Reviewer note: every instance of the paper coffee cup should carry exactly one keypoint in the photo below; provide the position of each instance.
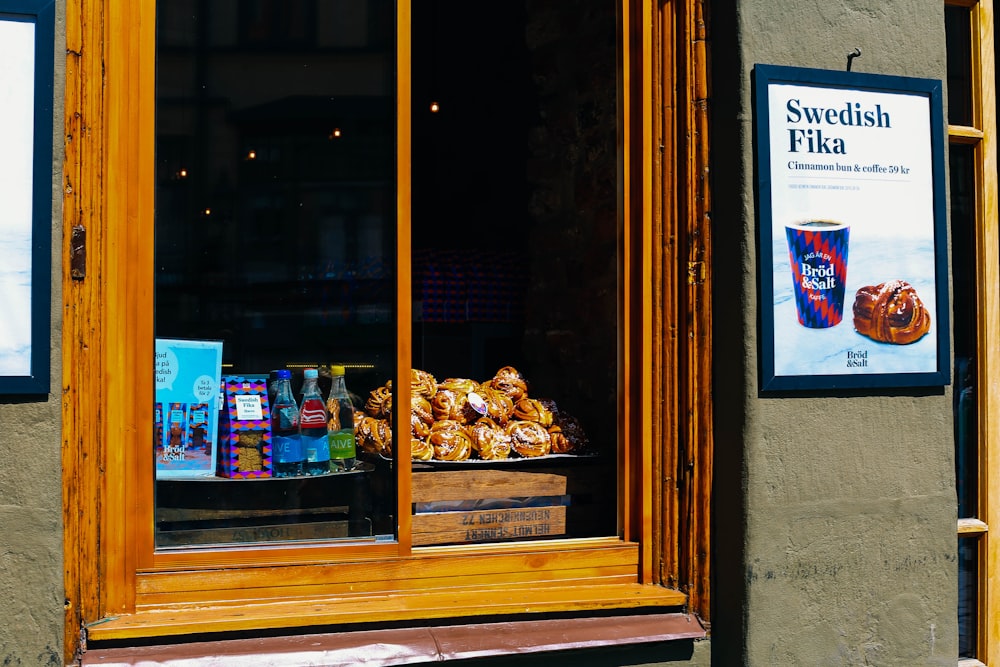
(817, 252)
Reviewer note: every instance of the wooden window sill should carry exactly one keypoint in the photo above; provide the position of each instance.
(301, 612)
(409, 645)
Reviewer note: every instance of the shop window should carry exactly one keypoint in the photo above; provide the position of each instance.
(442, 190)
(276, 237)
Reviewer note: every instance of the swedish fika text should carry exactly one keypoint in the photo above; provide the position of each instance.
(811, 128)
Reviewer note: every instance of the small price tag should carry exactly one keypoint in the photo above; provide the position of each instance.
(477, 402)
(248, 408)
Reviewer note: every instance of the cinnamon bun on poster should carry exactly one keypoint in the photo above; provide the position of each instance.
(891, 312)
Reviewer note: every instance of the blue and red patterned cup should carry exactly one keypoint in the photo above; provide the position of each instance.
(817, 252)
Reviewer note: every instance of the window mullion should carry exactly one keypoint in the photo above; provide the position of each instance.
(404, 318)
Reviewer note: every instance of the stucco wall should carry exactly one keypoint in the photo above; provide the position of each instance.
(31, 550)
(839, 509)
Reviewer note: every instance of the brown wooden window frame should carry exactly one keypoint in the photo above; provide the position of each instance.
(980, 135)
(118, 587)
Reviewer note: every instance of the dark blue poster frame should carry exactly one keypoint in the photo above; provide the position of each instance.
(35, 379)
(870, 149)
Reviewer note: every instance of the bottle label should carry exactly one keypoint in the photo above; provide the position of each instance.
(249, 408)
(287, 416)
(342, 444)
(313, 414)
(287, 449)
(316, 448)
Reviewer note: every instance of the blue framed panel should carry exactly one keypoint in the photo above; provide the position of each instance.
(27, 34)
(851, 230)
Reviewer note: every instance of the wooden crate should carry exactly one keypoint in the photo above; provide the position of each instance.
(508, 518)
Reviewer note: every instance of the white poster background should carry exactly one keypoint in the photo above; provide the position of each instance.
(17, 103)
(879, 181)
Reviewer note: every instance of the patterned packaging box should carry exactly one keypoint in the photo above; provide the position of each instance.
(245, 433)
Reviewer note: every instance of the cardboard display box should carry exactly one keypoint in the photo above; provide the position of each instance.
(245, 429)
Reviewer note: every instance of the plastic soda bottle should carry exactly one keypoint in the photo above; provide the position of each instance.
(285, 441)
(312, 426)
(341, 423)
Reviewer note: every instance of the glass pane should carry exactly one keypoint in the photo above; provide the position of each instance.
(968, 596)
(963, 239)
(958, 35)
(275, 236)
(516, 267)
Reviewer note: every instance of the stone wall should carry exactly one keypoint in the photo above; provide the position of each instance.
(835, 514)
(31, 548)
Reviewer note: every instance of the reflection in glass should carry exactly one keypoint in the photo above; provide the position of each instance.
(515, 258)
(964, 277)
(275, 234)
(968, 596)
(958, 36)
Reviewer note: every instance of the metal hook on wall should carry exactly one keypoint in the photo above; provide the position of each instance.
(851, 56)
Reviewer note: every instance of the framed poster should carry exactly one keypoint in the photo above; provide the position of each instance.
(852, 230)
(26, 51)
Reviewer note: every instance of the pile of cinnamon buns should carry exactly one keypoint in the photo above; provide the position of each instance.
(459, 419)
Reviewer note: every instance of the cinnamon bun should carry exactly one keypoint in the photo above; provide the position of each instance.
(529, 438)
(499, 407)
(448, 404)
(421, 450)
(530, 409)
(422, 383)
(560, 443)
(379, 403)
(421, 407)
(450, 444)
(510, 381)
(891, 312)
(458, 385)
(489, 440)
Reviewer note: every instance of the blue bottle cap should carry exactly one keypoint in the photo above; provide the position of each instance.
(311, 373)
(284, 374)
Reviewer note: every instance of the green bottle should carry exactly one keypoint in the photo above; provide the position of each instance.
(340, 423)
